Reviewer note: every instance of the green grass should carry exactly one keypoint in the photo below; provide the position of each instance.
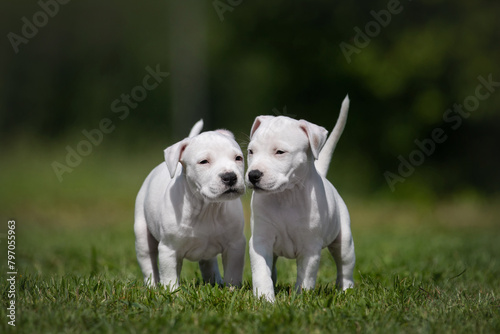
(420, 268)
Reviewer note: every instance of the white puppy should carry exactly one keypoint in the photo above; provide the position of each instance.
(189, 208)
(296, 211)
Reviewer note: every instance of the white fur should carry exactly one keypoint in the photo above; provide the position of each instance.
(296, 211)
(189, 208)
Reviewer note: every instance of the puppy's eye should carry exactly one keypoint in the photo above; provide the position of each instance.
(203, 162)
(239, 158)
(280, 152)
(250, 152)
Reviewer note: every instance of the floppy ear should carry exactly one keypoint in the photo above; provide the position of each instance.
(225, 132)
(317, 136)
(173, 155)
(258, 121)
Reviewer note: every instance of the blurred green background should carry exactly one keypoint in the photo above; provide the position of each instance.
(66, 67)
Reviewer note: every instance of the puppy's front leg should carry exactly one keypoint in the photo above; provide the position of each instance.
(233, 260)
(307, 271)
(210, 271)
(169, 266)
(261, 259)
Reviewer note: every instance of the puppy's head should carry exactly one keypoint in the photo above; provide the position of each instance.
(213, 165)
(281, 151)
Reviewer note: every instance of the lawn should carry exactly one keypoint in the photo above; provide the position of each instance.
(421, 268)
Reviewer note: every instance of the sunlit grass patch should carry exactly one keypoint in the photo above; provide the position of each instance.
(420, 267)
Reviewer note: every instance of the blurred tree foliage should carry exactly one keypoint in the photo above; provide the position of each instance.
(268, 58)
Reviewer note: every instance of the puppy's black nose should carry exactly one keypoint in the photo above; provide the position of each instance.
(229, 178)
(254, 176)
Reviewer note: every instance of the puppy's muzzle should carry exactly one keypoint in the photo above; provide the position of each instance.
(254, 176)
(229, 178)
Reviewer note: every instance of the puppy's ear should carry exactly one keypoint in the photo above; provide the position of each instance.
(225, 132)
(173, 155)
(258, 121)
(317, 136)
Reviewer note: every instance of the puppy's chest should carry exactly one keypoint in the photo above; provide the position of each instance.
(199, 241)
(201, 249)
(292, 236)
(295, 228)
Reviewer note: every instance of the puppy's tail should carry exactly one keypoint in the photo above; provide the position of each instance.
(325, 155)
(196, 129)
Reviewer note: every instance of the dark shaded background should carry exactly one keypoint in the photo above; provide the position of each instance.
(279, 57)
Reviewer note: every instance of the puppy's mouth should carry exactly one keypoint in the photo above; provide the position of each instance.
(227, 194)
(257, 188)
(232, 190)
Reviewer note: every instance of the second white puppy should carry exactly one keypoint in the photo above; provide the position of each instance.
(188, 208)
(296, 211)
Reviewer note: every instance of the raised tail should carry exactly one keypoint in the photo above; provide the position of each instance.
(196, 129)
(325, 155)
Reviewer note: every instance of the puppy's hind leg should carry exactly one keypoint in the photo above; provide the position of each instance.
(210, 271)
(146, 247)
(342, 250)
